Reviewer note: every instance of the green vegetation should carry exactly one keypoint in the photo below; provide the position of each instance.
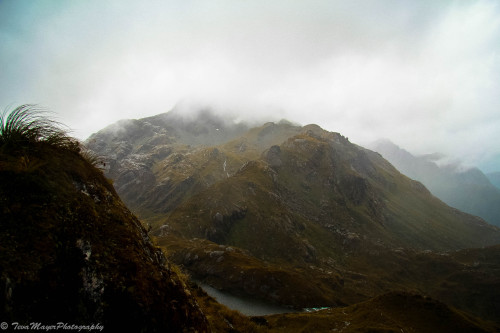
(27, 125)
(70, 251)
(29, 130)
(215, 264)
(311, 218)
(391, 312)
(297, 224)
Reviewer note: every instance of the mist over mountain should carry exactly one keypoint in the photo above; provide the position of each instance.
(363, 69)
(262, 211)
(467, 189)
(494, 178)
(260, 182)
(73, 254)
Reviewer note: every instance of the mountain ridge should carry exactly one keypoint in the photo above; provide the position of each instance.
(494, 178)
(469, 189)
(293, 202)
(72, 252)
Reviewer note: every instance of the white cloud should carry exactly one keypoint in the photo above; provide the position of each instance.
(425, 74)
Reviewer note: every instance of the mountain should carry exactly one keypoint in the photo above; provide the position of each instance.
(73, 255)
(466, 189)
(494, 178)
(70, 250)
(295, 215)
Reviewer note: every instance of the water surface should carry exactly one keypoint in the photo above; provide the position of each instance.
(247, 306)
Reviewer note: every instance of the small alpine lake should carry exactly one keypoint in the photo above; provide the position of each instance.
(245, 305)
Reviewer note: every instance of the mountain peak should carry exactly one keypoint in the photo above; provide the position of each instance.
(294, 204)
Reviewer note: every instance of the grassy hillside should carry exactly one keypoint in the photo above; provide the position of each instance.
(391, 312)
(310, 218)
(70, 251)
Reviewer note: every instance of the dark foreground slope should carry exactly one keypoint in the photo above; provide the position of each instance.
(71, 252)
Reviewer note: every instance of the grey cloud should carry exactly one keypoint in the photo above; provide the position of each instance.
(423, 73)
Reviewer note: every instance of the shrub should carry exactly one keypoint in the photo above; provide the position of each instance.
(27, 125)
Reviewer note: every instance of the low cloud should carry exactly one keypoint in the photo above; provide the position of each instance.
(424, 74)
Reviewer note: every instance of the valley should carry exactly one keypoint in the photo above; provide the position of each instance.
(295, 215)
(264, 166)
(278, 218)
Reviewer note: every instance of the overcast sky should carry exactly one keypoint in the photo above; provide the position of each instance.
(425, 74)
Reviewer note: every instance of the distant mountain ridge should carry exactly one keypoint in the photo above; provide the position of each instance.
(265, 210)
(71, 252)
(494, 178)
(469, 190)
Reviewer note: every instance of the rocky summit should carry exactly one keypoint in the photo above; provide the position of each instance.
(295, 215)
(291, 215)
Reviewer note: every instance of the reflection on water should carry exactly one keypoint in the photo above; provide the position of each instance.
(248, 307)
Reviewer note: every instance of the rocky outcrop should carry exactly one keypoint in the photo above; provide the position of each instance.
(71, 252)
(272, 156)
(299, 201)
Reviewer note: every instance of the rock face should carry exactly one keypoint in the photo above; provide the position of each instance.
(133, 147)
(70, 251)
(306, 211)
(298, 177)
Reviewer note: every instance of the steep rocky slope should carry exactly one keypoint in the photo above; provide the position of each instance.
(70, 251)
(280, 209)
(132, 149)
(466, 189)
